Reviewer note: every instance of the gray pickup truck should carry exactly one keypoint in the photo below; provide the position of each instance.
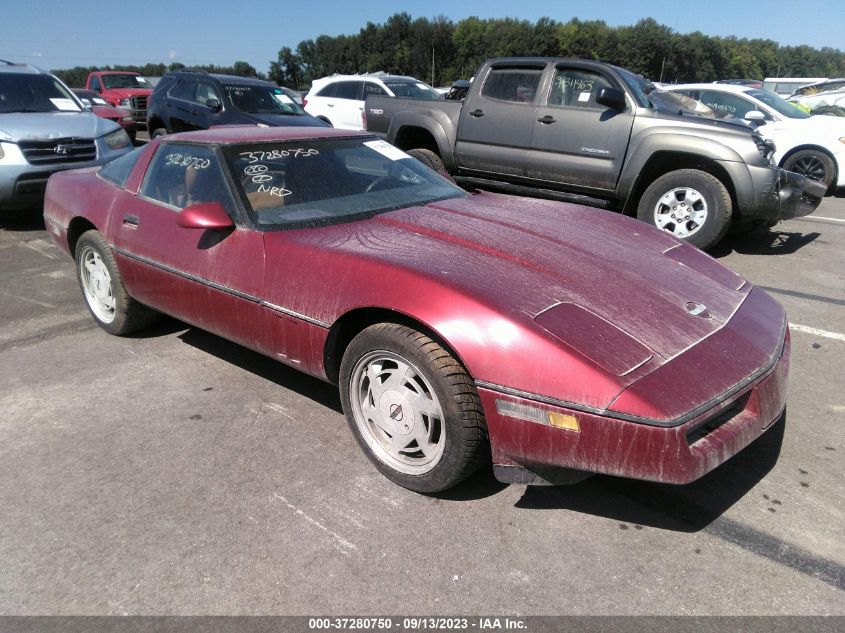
(595, 133)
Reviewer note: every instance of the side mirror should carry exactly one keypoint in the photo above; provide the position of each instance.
(205, 215)
(613, 98)
(755, 116)
(214, 104)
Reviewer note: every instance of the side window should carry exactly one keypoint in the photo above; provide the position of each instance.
(328, 91)
(373, 89)
(118, 170)
(95, 84)
(205, 92)
(182, 175)
(512, 84)
(349, 90)
(726, 103)
(576, 87)
(184, 89)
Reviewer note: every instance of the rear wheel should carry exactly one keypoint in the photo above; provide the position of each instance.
(428, 158)
(412, 407)
(103, 290)
(690, 204)
(814, 164)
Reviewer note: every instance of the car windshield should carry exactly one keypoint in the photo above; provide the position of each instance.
(413, 89)
(322, 181)
(125, 81)
(776, 102)
(261, 99)
(34, 93)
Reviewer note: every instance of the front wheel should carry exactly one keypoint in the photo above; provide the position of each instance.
(814, 164)
(690, 204)
(413, 408)
(102, 288)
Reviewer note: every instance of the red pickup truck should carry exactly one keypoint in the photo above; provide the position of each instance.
(123, 89)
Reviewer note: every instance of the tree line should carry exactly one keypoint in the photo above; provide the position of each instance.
(439, 51)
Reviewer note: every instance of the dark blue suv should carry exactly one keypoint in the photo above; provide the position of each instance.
(193, 100)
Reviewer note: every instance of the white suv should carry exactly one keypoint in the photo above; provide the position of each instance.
(339, 100)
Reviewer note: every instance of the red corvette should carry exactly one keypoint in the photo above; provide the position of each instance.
(554, 338)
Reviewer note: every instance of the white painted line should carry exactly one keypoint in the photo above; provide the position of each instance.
(821, 217)
(811, 330)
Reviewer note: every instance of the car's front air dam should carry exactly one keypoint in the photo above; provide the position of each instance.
(595, 443)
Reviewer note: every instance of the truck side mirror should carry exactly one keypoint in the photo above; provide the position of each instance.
(612, 98)
(214, 104)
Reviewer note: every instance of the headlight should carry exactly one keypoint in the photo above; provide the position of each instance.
(126, 102)
(117, 139)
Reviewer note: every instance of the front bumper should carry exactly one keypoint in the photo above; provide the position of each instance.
(778, 195)
(533, 452)
(22, 184)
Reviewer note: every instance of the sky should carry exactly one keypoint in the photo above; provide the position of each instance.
(57, 34)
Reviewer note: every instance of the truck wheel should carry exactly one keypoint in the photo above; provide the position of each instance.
(814, 164)
(428, 158)
(690, 204)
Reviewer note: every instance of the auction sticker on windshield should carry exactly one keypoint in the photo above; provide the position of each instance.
(386, 149)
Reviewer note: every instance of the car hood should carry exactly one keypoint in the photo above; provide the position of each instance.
(283, 120)
(49, 125)
(552, 263)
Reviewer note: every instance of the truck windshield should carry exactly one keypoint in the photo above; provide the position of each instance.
(639, 86)
(34, 93)
(125, 81)
(325, 181)
(678, 103)
(261, 99)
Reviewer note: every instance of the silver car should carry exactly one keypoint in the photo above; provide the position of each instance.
(44, 128)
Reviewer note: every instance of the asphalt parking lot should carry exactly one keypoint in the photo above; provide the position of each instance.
(176, 473)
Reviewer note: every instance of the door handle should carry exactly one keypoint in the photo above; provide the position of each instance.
(131, 220)
(546, 120)
(477, 113)
(331, 105)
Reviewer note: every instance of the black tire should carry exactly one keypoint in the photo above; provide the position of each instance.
(99, 278)
(812, 163)
(714, 203)
(458, 438)
(159, 131)
(428, 158)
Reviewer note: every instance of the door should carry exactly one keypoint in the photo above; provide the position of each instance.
(494, 134)
(178, 105)
(576, 141)
(203, 115)
(210, 278)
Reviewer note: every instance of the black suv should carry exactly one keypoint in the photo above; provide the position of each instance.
(193, 100)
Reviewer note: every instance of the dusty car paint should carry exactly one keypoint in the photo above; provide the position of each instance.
(499, 280)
